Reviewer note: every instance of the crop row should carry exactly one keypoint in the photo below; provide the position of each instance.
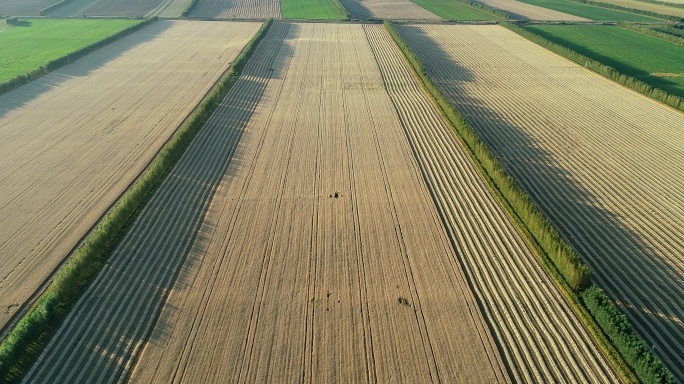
(23, 345)
(565, 265)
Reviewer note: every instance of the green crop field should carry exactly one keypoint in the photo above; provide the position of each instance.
(589, 11)
(453, 10)
(35, 42)
(655, 62)
(309, 9)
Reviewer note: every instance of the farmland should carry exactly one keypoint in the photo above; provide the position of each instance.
(39, 41)
(387, 9)
(161, 8)
(589, 11)
(453, 10)
(233, 9)
(629, 52)
(624, 213)
(24, 7)
(519, 10)
(650, 7)
(307, 9)
(87, 130)
(352, 276)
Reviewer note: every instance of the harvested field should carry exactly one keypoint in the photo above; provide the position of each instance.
(73, 140)
(523, 11)
(657, 8)
(24, 7)
(590, 11)
(387, 9)
(328, 266)
(235, 9)
(161, 8)
(604, 163)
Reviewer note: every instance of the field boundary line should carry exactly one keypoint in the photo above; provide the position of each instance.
(52, 302)
(483, 159)
(70, 57)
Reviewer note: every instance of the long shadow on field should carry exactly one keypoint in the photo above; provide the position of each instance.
(19, 97)
(613, 252)
(215, 8)
(102, 336)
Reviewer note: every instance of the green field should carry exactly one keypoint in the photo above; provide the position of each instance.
(655, 62)
(589, 11)
(309, 9)
(38, 41)
(453, 10)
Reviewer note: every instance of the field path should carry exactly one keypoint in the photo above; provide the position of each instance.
(322, 257)
(604, 163)
(73, 141)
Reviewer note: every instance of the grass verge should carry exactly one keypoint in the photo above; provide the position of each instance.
(639, 85)
(33, 57)
(570, 274)
(189, 8)
(32, 333)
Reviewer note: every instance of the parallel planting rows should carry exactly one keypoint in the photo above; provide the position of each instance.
(118, 8)
(87, 130)
(547, 119)
(591, 12)
(329, 266)
(519, 10)
(336, 265)
(236, 9)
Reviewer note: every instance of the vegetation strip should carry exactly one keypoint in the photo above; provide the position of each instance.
(69, 57)
(611, 329)
(189, 8)
(28, 338)
(600, 68)
(655, 32)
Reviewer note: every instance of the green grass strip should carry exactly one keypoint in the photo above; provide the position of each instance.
(23, 345)
(600, 68)
(537, 231)
(655, 32)
(630, 10)
(312, 9)
(455, 10)
(57, 42)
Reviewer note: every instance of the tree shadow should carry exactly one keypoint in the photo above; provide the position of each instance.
(636, 276)
(357, 10)
(19, 97)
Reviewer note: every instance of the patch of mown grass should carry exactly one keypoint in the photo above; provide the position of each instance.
(644, 63)
(35, 46)
(32, 333)
(589, 11)
(313, 9)
(453, 10)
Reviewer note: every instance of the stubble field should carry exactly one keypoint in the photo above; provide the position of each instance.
(72, 141)
(550, 121)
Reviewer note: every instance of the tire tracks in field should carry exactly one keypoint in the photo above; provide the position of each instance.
(106, 328)
(537, 331)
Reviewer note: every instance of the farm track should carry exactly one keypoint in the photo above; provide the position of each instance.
(87, 131)
(387, 9)
(237, 9)
(312, 238)
(542, 339)
(604, 163)
(111, 321)
(523, 11)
